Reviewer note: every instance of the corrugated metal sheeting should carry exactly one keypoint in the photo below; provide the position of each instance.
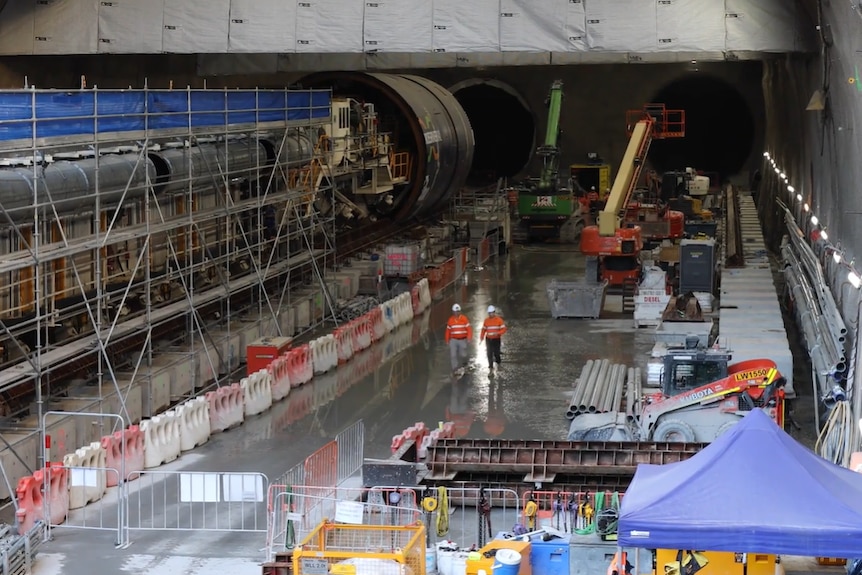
(750, 318)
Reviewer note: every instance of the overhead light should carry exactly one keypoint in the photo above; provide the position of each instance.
(777, 171)
(791, 189)
(824, 236)
(806, 207)
(854, 279)
(765, 154)
(836, 257)
(783, 176)
(798, 197)
(814, 220)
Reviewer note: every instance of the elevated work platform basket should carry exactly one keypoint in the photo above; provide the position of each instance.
(361, 549)
(579, 299)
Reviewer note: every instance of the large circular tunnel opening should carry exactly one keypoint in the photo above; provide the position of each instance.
(503, 127)
(719, 127)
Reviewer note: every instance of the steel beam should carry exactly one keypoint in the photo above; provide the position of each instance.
(543, 461)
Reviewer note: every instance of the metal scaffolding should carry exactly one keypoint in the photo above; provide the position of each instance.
(141, 229)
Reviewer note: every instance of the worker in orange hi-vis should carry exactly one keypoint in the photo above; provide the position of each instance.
(459, 332)
(492, 331)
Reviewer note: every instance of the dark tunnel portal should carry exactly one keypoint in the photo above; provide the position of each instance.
(719, 127)
(503, 128)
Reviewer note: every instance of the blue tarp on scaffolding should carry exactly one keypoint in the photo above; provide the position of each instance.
(755, 489)
(88, 112)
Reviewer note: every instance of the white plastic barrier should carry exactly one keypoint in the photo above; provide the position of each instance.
(324, 353)
(226, 407)
(424, 293)
(89, 478)
(257, 392)
(279, 378)
(162, 439)
(405, 308)
(194, 416)
(387, 308)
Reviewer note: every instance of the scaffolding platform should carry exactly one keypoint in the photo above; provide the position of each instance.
(43, 117)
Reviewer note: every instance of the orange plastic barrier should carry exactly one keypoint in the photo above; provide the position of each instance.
(113, 444)
(31, 496)
(299, 366)
(226, 407)
(280, 377)
(344, 341)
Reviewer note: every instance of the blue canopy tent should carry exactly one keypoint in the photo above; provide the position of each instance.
(755, 490)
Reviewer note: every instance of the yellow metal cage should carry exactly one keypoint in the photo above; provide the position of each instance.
(329, 547)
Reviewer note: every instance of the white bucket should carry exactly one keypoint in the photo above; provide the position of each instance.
(444, 562)
(459, 563)
(431, 561)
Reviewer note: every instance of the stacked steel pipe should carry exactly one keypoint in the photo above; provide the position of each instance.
(816, 311)
(601, 387)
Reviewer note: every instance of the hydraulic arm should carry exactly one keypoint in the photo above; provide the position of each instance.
(550, 150)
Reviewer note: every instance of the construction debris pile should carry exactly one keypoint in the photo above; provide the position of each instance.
(601, 388)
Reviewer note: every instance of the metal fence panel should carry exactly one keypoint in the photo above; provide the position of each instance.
(104, 512)
(198, 501)
(351, 451)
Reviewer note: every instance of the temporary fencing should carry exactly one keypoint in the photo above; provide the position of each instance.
(351, 452)
(198, 501)
(92, 506)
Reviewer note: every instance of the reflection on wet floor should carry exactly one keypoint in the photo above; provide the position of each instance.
(406, 378)
(397, 382)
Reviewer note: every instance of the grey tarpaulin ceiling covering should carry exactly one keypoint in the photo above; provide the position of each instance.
(399, 26)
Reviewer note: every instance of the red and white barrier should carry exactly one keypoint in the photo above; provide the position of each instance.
(31, 495)
(194, 417)
(300, 366)
(162, 439)
(257, 392)
(344, 340)
(279, 377)
(363, 335)
(128, 443)
(378, 328)
(226, 407)
(324, 353)
(88, 477)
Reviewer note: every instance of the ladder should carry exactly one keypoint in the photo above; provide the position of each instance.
(630, 289)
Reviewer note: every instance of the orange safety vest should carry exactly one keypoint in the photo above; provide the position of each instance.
(458, 327)
(493, 328)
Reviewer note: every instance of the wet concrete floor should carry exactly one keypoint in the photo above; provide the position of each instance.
(527, 398)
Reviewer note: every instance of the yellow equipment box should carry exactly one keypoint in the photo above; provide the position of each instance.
(522, 547)
(722, 562)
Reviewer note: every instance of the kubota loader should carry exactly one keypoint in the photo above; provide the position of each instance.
(702, 395)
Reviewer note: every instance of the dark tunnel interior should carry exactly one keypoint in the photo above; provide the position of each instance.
(503, 128)
(719, 127)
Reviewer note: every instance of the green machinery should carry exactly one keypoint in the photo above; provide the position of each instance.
(546, 209)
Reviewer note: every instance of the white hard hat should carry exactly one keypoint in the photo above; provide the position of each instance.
(456, 308)
(491, 309)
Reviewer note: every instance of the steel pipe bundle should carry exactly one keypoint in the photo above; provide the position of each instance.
(816, 311)
(601, 388)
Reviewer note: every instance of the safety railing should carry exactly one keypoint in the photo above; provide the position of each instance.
(351, 452)
(17, 552)
(197, 501)
(399, 165)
